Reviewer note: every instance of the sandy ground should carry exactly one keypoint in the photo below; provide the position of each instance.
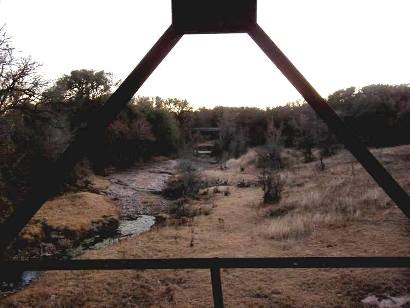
(236, 227)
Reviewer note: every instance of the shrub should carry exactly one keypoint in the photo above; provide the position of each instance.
(270, 157)
(186, 184)
(272, 184)
(179, 209)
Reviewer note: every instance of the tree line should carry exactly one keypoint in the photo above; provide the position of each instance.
(379, 114)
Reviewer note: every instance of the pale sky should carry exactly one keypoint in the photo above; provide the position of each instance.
(335, 44)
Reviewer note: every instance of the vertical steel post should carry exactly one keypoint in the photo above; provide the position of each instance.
(217, 287)
(329, 116)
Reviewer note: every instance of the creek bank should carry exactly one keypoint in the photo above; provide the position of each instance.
(120, 204)
(62, 228)
(65, 222)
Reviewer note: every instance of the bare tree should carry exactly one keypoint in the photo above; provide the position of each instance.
(20, 83)
(270, 156)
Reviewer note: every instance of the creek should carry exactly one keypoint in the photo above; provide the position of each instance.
(137, 193)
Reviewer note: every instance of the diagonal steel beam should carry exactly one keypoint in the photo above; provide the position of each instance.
(329, 116)
(47, 183)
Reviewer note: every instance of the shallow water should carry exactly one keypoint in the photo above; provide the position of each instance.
(138, 226)
(28, 277)
(126, 229)
(18, 280)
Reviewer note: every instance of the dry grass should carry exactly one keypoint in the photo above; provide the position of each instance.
(246, 161)
(75, 214)
(290, 227)
(98, 183)
(355, 219)
(332, 198)
(316, 209)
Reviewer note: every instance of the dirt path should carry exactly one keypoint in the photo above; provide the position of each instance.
(233, 228)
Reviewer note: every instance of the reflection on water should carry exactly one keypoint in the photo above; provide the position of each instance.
(28, 277)
(127, 228)
(14, 281)
(141, 224)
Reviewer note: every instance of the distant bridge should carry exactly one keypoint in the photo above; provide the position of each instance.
(206, 148)
(207, 132)
(206, 129)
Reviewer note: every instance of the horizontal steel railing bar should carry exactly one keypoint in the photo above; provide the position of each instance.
(207, 263)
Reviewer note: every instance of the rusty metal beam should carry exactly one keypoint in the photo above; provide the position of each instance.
(220, 19)
(213, 16)
(11, 268)
(206, 263)
(334, 122)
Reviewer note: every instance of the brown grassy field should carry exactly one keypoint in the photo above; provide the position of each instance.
(76, 214)
(337, 212)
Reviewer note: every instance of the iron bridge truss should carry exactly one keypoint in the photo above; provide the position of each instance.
(199, 17)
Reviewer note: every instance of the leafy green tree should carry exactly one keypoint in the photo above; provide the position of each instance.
(81, 86)
(183, 113)
(79, 94)
(177, 107)
(165, 130)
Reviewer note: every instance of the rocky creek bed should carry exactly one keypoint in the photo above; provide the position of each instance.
(137, 190)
